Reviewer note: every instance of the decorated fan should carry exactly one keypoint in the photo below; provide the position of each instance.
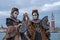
(44, 22)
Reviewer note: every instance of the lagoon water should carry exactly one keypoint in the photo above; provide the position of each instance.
(2, 36)
(54, 36)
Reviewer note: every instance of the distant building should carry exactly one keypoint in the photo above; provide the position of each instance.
(57, 29)
(52, 22)
(2, 29)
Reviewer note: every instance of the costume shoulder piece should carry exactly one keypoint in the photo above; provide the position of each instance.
(23, 27)
(9, 21)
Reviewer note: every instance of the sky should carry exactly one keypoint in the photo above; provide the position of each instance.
(45, 8)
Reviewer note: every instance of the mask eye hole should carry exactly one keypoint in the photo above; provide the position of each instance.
(34, 14)
(16, 12)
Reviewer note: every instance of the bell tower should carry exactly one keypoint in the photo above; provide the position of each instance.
(52, 22)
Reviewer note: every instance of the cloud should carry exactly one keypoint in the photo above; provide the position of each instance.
(21, 3)
(53, 6)
(45, 7)
(4, 13)
(42, 2)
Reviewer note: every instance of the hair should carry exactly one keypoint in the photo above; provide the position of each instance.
(14, 9)
(35, 11)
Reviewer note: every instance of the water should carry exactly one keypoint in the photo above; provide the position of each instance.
(2, 36)
(54, 36)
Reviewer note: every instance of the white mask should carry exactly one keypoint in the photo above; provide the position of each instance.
(15, 15)
(35, 17)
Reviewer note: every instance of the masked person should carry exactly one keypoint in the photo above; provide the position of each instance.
(12, 30)
(40, 32)
(37, 23)
(24, 27)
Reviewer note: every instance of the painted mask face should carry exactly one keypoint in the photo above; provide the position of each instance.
(35, 16)
(15, 14)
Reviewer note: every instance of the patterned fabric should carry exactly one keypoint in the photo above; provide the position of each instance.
(38, 36)
(11, 31)
(23, 27)
(45, 26)
(23, 30)
(23, 36)
(37, 24)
